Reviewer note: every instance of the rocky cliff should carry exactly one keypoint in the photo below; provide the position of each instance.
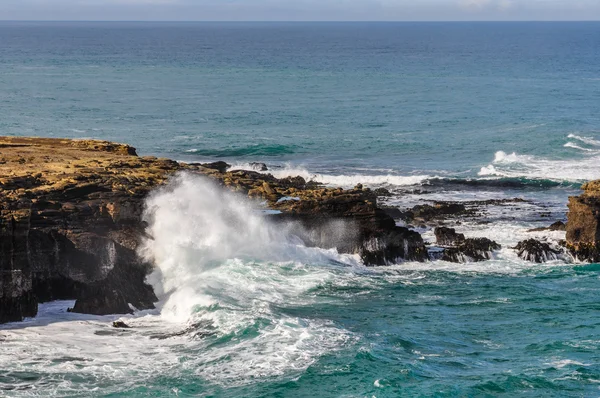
(583, 225)
(70, 221)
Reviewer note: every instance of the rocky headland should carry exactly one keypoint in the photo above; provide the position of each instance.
(71, 222)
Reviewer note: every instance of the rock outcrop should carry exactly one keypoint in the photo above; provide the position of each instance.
(448, 237)
(70, 221)
(583, 224)
(536, 251)
(470, 249)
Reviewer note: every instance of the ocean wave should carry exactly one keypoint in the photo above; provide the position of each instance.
(343, 180)
(221, 265)
(250, 150)
(587, 140)
(537, 168)
(499, 182)
(575, 146)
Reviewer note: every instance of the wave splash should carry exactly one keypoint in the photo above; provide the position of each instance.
(223, 270)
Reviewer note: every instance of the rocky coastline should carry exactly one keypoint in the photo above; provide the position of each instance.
(71, 222)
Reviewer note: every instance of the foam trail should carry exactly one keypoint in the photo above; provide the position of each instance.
(575, 146)
(587, 140)
(344, 180)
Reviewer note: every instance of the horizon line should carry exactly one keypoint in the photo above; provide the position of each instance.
(302, 21)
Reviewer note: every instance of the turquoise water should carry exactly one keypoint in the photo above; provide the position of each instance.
(461, 111)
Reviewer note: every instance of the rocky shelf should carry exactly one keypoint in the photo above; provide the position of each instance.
(70, 221)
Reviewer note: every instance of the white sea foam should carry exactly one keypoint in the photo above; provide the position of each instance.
(575, 146)
(222, 265)
(526, 166)
(342, 180)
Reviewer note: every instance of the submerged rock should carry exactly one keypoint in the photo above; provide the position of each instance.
(471, 249)
(120, 325)
(535, 251)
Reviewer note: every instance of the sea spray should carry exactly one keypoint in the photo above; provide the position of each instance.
(222, 271)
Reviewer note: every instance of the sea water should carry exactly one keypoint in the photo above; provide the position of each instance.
(430, 111)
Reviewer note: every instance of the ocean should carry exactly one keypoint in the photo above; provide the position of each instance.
(430, 111)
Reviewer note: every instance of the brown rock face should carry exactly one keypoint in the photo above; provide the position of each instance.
(70, 222)
(583, 225)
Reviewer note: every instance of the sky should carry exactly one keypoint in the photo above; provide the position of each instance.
(299, 10)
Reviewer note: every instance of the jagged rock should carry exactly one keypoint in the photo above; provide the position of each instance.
(448, 236)
(535, 251)
(259, 166)
(220, 166)
(351, 222)
(471, 249)
(583, 224)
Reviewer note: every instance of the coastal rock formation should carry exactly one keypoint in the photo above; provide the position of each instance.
(70, 221)
(448, 236)
(458, 249)
(471, 249)
(69, 216)
(535, 251)
(583, 225)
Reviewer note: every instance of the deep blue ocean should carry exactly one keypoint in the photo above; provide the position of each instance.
(431, 111)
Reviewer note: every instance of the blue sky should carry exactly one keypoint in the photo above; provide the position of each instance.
(303, 10)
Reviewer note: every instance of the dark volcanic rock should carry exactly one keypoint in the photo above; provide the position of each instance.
(535, 251)
(471, 249)
(351, 222)
(220, 166)
(448, 236)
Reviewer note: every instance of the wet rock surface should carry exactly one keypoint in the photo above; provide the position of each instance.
(448, 237)
(471, 249)
(536, 251)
